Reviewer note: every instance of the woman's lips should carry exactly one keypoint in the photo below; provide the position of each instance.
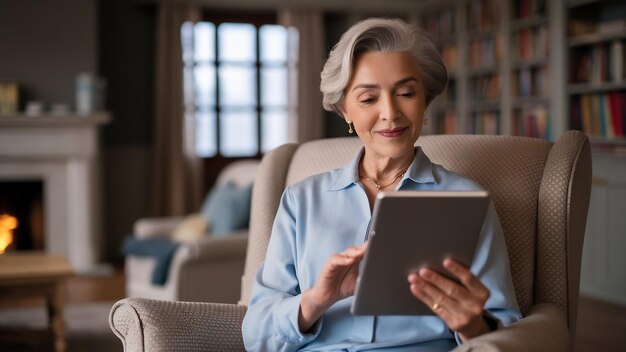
(394, 132)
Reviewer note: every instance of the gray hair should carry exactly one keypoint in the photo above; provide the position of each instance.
(381, 35)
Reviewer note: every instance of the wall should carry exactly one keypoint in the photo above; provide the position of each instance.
(44, 44)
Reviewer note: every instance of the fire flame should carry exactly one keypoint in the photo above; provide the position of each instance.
(8, 223)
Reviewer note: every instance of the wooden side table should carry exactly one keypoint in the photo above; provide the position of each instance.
(38, 274)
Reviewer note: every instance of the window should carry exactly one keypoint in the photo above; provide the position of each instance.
(235, 87)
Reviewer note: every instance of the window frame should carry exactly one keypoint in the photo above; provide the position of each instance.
(257, 19)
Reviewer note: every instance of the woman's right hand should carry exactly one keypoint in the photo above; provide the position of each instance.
(336, 282)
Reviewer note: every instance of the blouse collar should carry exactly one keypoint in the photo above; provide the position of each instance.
(420, 171)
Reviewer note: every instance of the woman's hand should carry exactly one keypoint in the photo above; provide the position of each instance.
(459, 305)
(336, 282)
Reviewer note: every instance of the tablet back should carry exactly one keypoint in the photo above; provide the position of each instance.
(411, 230)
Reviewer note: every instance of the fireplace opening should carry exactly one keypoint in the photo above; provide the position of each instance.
(21, 215)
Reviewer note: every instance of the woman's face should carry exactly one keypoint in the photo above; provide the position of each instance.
(386, 101)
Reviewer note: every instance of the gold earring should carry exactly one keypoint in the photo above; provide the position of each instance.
(350, 130)
(426, 122)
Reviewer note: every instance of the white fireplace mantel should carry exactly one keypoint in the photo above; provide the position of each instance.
(63, 153)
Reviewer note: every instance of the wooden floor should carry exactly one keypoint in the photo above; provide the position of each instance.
(601, 326)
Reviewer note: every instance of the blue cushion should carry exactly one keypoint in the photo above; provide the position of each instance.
(227, 208)
(160, 249)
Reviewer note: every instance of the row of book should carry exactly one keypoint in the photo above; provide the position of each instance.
(441, 24)
(484, 122)
(486, 51)
(528, 8)
(450, 56)
(446, 122)
(599, 63)
(600, 114)
(449, 94)
(531, 82)
(579, 27)
(483, 14)
(485, 88)
(530, 44)
(531, 121)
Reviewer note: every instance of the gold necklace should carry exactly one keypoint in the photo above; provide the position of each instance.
(378, 185)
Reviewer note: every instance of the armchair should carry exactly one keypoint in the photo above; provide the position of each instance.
(540, 190)
(206, 269)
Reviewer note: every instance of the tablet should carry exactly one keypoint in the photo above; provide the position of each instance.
(411, 230)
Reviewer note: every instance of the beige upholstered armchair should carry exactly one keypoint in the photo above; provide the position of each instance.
(541, 192)
(205, 269)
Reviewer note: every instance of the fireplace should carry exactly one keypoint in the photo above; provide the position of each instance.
(56, 160)
(21, 215)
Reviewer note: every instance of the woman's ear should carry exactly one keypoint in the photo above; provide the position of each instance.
(340, 107)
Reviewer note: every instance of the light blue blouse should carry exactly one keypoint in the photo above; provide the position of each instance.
(327, 213)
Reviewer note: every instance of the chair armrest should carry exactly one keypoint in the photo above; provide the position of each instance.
(543, 329)
(156, 227)
(213, 248)
(152, 325)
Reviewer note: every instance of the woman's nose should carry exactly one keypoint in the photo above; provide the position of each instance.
(389, 110)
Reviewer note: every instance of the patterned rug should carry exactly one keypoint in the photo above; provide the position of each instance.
(87, 328)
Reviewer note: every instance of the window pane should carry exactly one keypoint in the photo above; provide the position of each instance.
(238, 132)
(237, 85)
(206, 137)
(273, 129)
(205, 85)
(237, 42)
(273, 40)
(205, 41)
(186, 38)
(188, 90)
(274, 86)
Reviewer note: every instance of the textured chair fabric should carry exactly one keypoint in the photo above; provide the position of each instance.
(541, 193)
(207, 269)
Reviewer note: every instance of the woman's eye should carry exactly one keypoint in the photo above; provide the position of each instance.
(407, 94)
(367, 101)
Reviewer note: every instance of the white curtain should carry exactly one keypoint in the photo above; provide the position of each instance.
(306, 58)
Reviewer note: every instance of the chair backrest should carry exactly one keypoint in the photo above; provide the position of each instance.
(240, 172)
(540, 189)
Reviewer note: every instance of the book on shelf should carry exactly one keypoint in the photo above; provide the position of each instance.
(600, 115)
(530, 44)
(531, 121)
(486, 87)
(485, 122)
(579, 27)
(447, 122)
(528, 8)
(617, 61)
(599, 63)
(483, 14)
(441, 24)
(450, 55)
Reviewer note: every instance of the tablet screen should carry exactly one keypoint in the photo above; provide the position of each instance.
(411, 230)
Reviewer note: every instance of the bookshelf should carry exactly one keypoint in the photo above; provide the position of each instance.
(500, 59)
(596, 82)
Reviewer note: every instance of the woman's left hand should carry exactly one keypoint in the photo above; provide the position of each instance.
(459, 305)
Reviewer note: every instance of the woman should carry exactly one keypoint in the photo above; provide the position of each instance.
(380, 78)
